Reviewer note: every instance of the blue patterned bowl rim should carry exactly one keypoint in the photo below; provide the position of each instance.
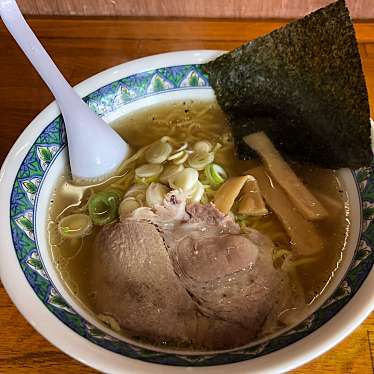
(44, 151)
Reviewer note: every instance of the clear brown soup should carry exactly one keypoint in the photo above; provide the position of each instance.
(197, 120)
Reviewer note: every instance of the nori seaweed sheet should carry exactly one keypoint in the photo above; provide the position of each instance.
(303, 85)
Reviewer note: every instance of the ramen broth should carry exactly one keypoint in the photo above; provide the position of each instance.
(191, 121)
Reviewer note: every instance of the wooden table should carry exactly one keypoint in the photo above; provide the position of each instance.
(82, 47)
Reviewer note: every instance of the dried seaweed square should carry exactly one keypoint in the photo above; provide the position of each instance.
(303, 85)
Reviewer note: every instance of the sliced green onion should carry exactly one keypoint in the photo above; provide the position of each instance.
(196, 193)
(103, 207)
(215, 174)
(158, 152)
(128, 205)
(169, 172)
(203, 146)
(148, 170)
(184, 180)
(135, 189)
(181, 160)
(75, 226)
(182, 147)
(199, 160)
(176, 155)
(155, 194)
(140, 198)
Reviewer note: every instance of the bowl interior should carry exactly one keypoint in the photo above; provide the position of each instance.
(45, 162)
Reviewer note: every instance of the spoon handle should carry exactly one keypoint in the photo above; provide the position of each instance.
(26, 39)
(95, 149)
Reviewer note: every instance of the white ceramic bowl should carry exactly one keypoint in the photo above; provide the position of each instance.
(28, 177)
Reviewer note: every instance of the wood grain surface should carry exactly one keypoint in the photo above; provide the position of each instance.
(360, 9)
(82, 47)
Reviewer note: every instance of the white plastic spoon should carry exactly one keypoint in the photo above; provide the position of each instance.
(95, 149)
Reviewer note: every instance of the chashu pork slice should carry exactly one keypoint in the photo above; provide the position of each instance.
(182, 274)
(135, 283)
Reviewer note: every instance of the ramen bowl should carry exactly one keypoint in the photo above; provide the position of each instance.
(29, 176)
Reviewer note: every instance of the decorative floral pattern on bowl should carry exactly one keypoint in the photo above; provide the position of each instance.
(44, 151)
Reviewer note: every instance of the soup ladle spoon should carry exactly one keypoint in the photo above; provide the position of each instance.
(95, 149)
